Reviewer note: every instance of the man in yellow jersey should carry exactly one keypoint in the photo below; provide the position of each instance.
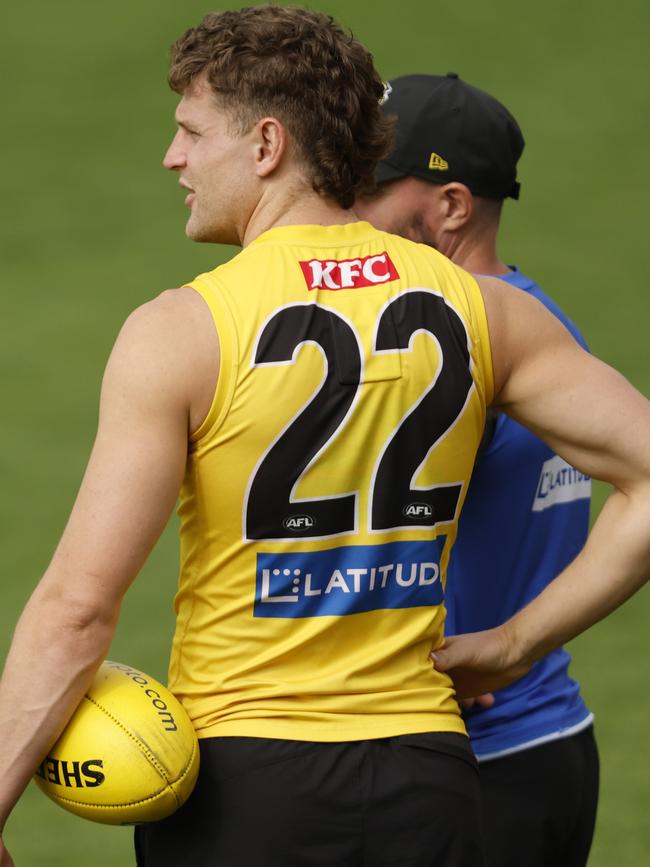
(318, 402)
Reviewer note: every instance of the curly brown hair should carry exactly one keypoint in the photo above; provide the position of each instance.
(309, 72)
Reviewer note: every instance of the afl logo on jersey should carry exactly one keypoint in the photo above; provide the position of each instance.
(417, 510)
(298, 523)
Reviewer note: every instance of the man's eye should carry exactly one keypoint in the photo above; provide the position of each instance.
(192, 133)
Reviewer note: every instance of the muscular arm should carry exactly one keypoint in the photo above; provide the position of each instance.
(157, 387)
(600, 424)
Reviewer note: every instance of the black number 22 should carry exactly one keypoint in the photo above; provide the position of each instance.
(270, 511)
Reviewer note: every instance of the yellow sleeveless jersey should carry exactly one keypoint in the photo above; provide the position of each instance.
(323, 490)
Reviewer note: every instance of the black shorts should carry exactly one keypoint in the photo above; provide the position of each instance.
(539, 805)
(407, 801)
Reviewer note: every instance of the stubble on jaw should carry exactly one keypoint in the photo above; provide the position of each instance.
(415, 228)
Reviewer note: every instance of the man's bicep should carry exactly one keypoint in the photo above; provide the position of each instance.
(135, 468)
(593, 418)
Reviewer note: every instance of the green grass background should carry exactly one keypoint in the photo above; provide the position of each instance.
(92, 226)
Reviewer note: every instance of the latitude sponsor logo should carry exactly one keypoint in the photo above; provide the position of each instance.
(340, 274)
(559, 482)
(349, 580)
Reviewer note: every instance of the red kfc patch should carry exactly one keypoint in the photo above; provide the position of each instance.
(349, 273)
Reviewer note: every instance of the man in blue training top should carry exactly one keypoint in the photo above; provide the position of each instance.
(527, 511)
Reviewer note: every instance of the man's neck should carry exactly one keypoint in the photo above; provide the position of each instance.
(476, 253)
(482, 262)
(293, 208)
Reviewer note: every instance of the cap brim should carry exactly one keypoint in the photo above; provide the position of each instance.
(385, 172)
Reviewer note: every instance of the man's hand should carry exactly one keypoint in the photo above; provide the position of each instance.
(5, 858)
(478, 663)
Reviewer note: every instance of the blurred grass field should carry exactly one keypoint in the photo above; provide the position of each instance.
(92, 227)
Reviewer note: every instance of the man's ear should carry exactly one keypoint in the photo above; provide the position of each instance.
(270, 142)
(457, 205)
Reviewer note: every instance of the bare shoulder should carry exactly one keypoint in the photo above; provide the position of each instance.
(521, 330)
(177, 312)
(169, 347)
(507, 305)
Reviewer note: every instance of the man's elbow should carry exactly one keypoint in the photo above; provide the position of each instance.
(69, 622)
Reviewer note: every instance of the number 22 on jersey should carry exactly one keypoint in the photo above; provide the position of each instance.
(271, 510)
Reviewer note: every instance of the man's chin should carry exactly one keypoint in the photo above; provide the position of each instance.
(209, 235)
(200, 234)
(197, 236)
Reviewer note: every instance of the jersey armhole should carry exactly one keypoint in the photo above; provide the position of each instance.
(482, 349)
(228, 355)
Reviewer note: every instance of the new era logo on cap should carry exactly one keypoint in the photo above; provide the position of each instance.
(437, 163)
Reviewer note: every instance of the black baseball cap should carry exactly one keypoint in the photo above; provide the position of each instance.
(447, 131)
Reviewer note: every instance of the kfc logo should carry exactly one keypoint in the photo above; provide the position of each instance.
(348, 273)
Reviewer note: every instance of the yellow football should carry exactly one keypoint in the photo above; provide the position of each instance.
(129, 753)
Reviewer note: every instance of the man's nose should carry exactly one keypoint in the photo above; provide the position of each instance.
(175, 156)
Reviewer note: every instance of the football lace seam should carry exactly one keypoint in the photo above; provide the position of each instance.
(154, 761)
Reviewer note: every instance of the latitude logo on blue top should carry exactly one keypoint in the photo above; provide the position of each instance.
(349, 580)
